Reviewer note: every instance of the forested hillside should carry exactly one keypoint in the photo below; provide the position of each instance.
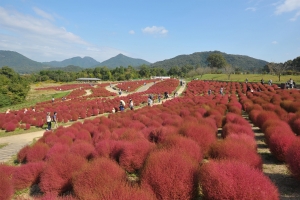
(199, 59)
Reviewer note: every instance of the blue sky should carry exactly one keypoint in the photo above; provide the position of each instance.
(154, 30)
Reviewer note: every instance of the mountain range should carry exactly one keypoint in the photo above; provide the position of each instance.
(22, 64)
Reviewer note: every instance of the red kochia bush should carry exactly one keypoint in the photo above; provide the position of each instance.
(21, 156)
(170, 175)
(84, 149)
(98, 179)
(57, 149)
(37, 152)
(204, 135)
(56, 177)
(184, 145)
(264, 116)
(279, 144)
(28, 174)
(10, 127)
(231, 150)
(235, 180)
(133, 154)
(159, 134)
(293, 158)
(6, 186)
(232, 128)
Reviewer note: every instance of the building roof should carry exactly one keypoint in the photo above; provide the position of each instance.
(88, 79)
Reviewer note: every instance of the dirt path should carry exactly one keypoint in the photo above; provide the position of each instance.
(289, 187)
(140, 89)
(88, 92)
(16, 142)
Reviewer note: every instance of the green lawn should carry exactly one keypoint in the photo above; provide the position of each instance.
(251, 77)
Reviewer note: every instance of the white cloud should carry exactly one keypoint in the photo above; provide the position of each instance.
(25, 24)
(43, 14)
(41, 40)
(131, 32)
(274, 42)
(251, 9)
(155, 30)
(295, 17)
(289, 6)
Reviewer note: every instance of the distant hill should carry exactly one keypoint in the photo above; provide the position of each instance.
(19, 63)
(85, 62)
(121, 60)
(243, 62)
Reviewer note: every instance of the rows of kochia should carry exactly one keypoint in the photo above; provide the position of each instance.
(77, 106)
(169, 151)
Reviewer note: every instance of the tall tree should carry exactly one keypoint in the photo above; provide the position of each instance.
(228, 70)
(216, 60)
(278, 68)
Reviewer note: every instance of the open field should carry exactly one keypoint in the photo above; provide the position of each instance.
(251, 77)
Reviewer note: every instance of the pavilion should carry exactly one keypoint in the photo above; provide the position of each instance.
(87, 80)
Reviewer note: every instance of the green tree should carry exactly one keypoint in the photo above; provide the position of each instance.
(144, 71)
(216, 60)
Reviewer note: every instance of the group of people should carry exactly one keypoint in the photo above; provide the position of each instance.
(50, 119)
(122, 106)
(290, 83)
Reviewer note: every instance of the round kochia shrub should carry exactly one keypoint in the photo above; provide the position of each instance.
(133, 154)
(21, 156)
(37, 152)
(57, 175)
(293, 158)
(184, 145)
(235, 180)
(28, 174)
(232, 150)
(231, 128)
(170, 175)
(98, 179)
(204, 135)
(279, 144)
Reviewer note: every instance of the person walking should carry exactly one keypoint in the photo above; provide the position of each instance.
(270, 82)
(221, 91)
(159, 97)
(130, 104)
(48, 119)
(122, 105)
(150, 102)
(54, 118)
(291, 83)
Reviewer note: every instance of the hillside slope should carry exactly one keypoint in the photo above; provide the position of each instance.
(199, 58)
